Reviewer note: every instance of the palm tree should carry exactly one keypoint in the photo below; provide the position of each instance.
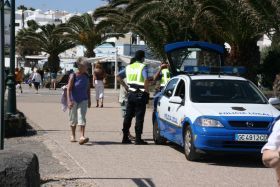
(47, 40)
(25, 47)
(82, 31)
(269, 14)
(237, 23)
(23, 9)
(149, 19)
(163, 21)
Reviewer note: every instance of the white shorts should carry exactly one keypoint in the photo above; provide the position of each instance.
(99, 89)
(77, 114)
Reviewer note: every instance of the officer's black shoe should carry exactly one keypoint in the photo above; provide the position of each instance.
(126, 140)
(140, 142)
(131, 137)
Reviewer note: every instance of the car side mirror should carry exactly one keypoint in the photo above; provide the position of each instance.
(176, 100)
(274, 101)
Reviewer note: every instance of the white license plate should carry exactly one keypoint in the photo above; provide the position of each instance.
(251, 137)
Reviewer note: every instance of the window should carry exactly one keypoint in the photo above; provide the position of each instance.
(168, 91)
(184, 57)
(225, 91)
(181, 89)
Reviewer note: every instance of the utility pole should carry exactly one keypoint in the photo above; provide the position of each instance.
(2, 66)
(12, 109)
(116, 68)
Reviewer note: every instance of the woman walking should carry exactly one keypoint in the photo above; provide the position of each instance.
(78, 99)
(98, 78)
(19, 78)
(37, 80)
(53, 80)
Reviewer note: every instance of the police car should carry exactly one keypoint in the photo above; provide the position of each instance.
(204, 109)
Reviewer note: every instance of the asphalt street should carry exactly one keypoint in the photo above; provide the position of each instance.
(106, 162)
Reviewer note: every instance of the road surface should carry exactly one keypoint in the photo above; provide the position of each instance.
(106, 162)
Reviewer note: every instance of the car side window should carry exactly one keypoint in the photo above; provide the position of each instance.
(181, 89)
(169, 89)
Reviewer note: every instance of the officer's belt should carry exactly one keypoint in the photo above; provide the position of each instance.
(136, 88)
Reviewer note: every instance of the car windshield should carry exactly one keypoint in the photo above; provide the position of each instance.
(194, 57)
(225, 91)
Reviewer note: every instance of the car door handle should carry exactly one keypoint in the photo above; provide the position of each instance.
(169, 109)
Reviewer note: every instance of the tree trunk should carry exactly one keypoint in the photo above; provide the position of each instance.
(247, 55)
(53, 63)
(22, 19)
(90, 53)
(276, 39)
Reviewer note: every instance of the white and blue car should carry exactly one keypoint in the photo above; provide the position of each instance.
(205, 110)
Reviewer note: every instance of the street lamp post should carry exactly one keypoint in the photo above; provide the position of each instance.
(2, 66)
(11, 105)
(116, 69)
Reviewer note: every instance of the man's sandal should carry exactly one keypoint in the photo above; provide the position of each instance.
(83, 141)
(73, 140)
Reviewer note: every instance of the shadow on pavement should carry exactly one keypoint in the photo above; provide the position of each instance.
(105, 107)
(30, 131)
(106, 143)
(141, 182)
(227, 159)
(235, 160)
(86, 131)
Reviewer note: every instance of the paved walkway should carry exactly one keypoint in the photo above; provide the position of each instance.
(106, 162)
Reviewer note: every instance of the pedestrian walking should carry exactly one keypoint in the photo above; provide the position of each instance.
(137, 86)
(53, 80)
(42, 73)
(98, 81)
(271, 150)
(19, 78)
(36, 80)
(79, 99)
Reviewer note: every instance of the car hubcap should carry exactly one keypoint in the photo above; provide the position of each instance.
(188, 144)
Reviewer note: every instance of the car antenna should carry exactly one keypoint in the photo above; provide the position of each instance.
(220, 67)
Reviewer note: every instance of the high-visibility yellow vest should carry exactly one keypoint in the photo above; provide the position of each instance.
(165, 77)
(134, 74)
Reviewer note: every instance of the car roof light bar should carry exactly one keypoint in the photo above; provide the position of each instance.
(223, 70)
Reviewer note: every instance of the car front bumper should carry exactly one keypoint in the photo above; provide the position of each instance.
(222, 139)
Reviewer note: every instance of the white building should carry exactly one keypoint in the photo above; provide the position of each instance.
(264, 42)
(41, 17)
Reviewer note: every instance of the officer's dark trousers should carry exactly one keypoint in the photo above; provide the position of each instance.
(136, 105)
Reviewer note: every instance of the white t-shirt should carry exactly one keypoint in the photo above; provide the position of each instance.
(37, 78)
(274, 139)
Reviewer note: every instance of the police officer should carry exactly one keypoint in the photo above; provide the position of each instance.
(137, 85)
(163, 75)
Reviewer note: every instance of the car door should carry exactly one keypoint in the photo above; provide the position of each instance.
(163, 108)
(177, 111)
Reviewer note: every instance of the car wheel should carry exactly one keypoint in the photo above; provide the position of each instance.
(189, 148)
(158, 139)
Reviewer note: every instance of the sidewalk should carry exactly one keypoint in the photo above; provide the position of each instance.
(56, 167)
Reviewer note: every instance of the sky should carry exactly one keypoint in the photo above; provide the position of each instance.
(67, 5)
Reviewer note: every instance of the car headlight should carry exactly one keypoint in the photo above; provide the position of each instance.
(206, 122)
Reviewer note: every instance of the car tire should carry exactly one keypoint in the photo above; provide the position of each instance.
(189, 148)
(158, 139)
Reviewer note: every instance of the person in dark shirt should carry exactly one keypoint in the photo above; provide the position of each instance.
(98, 81)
